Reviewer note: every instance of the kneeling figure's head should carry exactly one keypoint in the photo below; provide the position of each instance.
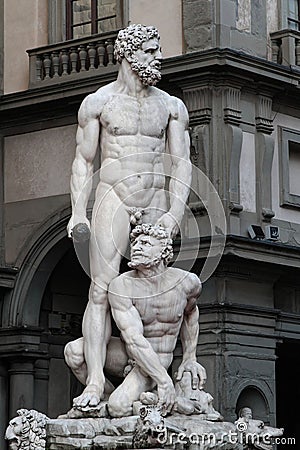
(150, 244)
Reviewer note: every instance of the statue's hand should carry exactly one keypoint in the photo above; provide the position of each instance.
(75, 220)
(197, 372)
(166, 396)
(169, 222)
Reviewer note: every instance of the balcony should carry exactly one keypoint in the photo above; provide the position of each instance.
(69, 60)
(286, 47)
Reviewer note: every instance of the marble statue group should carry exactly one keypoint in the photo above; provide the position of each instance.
(151, 305)
(133, 123)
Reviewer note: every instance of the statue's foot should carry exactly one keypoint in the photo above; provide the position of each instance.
(90, 397)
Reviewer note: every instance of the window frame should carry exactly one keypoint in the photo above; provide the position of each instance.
(57, 29)
(284, 19)
(94, 18)
(286, 135)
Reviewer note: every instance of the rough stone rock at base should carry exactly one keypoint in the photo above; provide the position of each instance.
(117, 434)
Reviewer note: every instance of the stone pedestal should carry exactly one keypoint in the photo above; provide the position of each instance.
(113, 434)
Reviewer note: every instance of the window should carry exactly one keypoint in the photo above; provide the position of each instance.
(86, 17)
(293, 14)
(289, 160)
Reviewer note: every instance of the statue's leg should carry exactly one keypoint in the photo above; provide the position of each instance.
(75, 359)
(116, 357)
(157, 207)
(121, 400)
(109, 240)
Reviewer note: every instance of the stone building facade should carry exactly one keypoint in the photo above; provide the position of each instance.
(236, 65)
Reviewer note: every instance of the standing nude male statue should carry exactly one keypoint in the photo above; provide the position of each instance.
(135, 122)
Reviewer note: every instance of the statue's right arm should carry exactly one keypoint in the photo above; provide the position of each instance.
(129, 322)
(87, 138)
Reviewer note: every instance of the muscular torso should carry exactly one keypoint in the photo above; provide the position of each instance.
(161, 308)
(132, 141)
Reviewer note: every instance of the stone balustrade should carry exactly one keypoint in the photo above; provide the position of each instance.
(286, 47)
(66, 60)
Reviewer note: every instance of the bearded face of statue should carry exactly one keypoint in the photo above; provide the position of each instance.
(146, 251)
(146, 62)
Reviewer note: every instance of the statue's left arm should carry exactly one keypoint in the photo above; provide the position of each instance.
(181, 170)
(189, 335)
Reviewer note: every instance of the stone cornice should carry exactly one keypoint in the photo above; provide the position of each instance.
(8, 276)
(62, 99)
(279, 255)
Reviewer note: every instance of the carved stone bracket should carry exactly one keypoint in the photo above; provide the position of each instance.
(263, 119)
(233, 138)
(265, 152)
(231, 101)
(198, 101)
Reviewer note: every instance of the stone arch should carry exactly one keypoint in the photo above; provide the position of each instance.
(254, 397)
(37, 259)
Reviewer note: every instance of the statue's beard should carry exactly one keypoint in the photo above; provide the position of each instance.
(145, 264)
(149, 74)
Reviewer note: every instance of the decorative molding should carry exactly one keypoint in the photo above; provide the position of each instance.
(198, 101)
(264, 160)
(199, 135)
(268, 213)
(231, 108)
(235, 207)
(264, 121)
(287, 198)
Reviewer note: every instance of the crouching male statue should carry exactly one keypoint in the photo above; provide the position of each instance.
(152, 304)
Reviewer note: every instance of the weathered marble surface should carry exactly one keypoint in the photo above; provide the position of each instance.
(136, 123)
(34, 431)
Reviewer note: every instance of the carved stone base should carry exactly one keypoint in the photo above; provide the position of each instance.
(115, 434)
(32, 430)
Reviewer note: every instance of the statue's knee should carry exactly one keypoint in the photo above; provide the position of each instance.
(119, 406)
(73, 356)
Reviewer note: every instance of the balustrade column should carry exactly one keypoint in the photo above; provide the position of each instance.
(101, 53)
(92, 55)
(82, 57)
(73, 59)
(55, 63)
(65, 61)
(47, 65)
(21, 385)
(110, 52)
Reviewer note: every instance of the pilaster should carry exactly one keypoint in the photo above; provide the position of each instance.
(198, 100)
(264, 156)
(21, 385)
(233, 138)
